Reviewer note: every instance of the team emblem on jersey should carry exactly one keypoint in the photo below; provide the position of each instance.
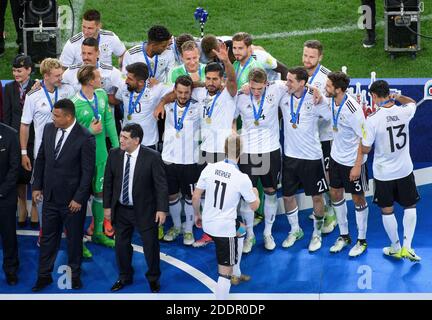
(146, 95)
(317, 84)
(308, 106)
(270, 98)
(249, 106)
(85, 112)
(104, 47)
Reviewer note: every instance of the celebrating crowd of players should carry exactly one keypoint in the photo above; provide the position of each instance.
(189, 95)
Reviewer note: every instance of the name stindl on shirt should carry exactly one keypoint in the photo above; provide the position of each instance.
(392, 118)
(222, 173)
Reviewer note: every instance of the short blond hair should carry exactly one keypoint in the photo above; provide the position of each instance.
(189, 45)
(233, 146)
(49, 64)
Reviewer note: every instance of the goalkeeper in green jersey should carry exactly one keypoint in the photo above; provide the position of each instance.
(93, 112)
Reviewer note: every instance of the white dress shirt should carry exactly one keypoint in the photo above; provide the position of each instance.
(133, 159)
(66, 135)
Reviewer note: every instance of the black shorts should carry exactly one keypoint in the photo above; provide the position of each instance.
(403, 191)
(226, 250)
(339, 178)
(182, 177)
(326, 148)
(298, 173)
(265, 166)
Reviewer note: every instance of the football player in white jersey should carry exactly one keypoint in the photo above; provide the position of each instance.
(218, 107)
(224, 185)
(388, 130)
(302, 160)
(108, 42)
(181, 154)
(154, 53)
(312, 56)
(262, 157)
(347, 170)
(139, 101)
(111, 77)
(38, 107)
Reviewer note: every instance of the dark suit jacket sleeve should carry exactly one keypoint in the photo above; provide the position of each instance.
(7, 105)
(160, 183)
(88, 160)
(108, 180)
(10, 181)
(39, 164)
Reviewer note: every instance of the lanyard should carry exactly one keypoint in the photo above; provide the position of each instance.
(238, 76)
(385, 102)
(311, 79)
(133, 104)
(152, 73)
(178, 125)
(295, 115)
(48, 96)
(335, 119)
(257, 114)
(229, 161)
(210, 111)
(95, 107)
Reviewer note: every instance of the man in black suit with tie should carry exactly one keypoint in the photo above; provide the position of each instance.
(9, 164)
(13, 103)
(135, 194)
(63, 173)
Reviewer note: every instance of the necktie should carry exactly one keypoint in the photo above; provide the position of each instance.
(58, 145)
(125, 194)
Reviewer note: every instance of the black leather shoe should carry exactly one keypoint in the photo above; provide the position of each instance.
(154, 286)
(34, 225)
(76, 283)
(22, 224)
(41, 283)
(120, 284)
(11, 279)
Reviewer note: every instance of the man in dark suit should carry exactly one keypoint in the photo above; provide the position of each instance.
(135, 194)
(9, 164)
(63, 173)
(13, 103)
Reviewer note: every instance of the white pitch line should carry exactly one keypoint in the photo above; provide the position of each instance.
(297, 33)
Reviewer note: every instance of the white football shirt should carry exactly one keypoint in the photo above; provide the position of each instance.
(165, 61)
(143, 110)
(182, 147)
(303, 141)
(224, 184)
(213, 134)
(264, 137)
(350, 127)
(37, 109)
(388, 128)
(109, 44)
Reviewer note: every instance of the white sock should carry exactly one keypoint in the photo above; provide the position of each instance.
(248, 218)
(318, 222)
(270, 211)
(189, 213)
(237, 271)
(391, 227)
(222, 288)
(175, 212)
(409, 224)
(293, 219)
(341, 216)
(362, 213)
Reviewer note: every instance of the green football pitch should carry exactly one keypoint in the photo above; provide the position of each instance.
(280, 27)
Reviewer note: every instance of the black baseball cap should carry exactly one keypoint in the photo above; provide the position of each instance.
(21, 61)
